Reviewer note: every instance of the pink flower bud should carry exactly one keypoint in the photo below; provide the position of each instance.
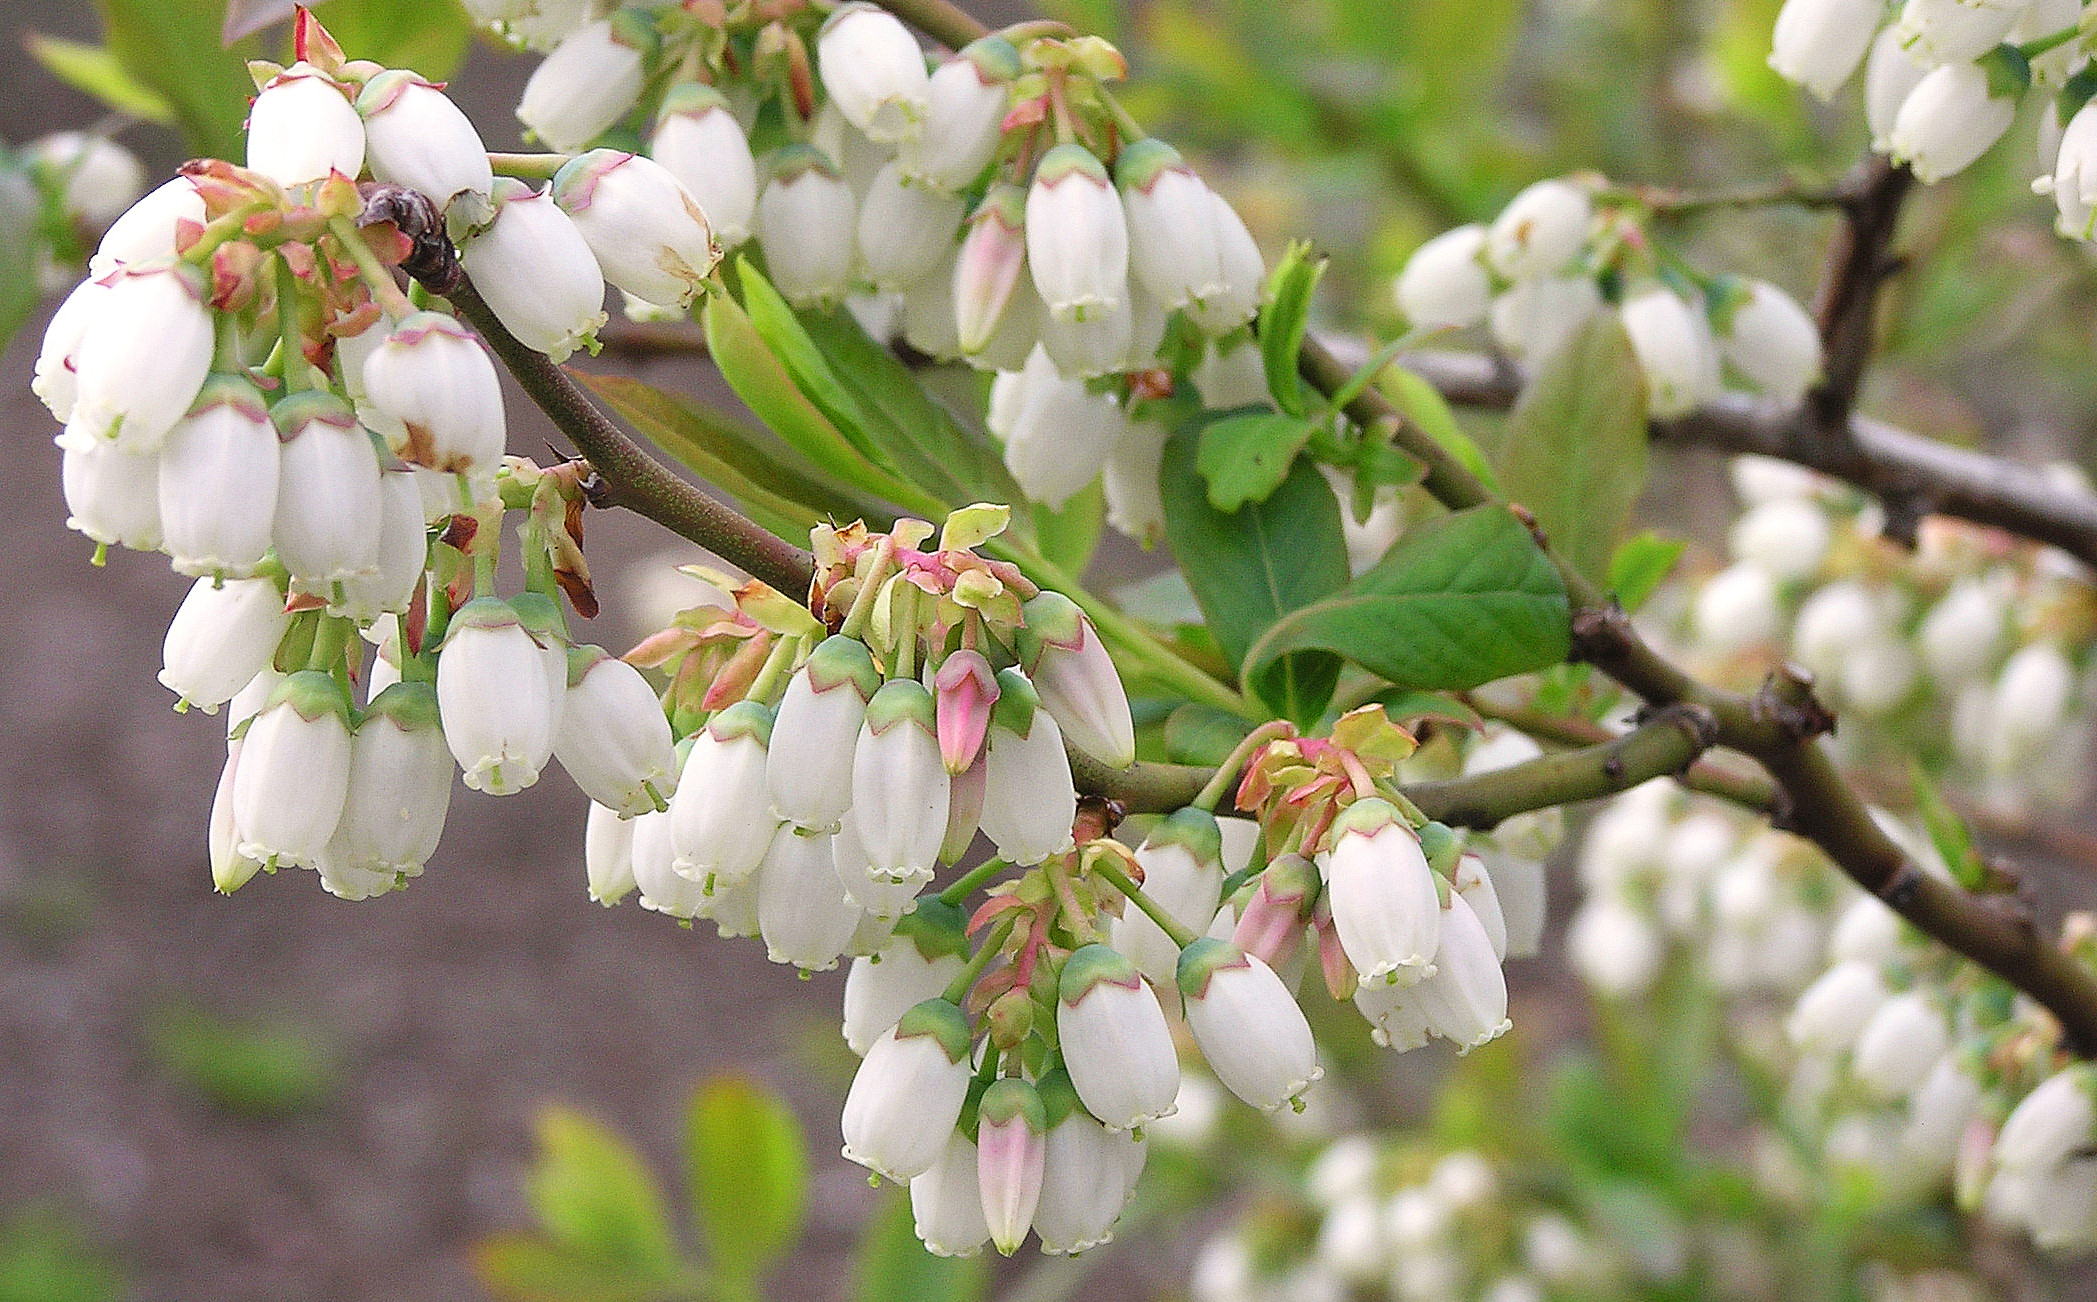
(993, 252)
(1077, 681)
(968, 689)
(1272, 926)
(1011, 1145)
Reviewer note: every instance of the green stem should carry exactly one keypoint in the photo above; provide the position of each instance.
(329, 639)
(957, 989)
(905, 629)
(1124, 120)
(2051, 41)
(377, 276)
(869, 586)
(292, 357)
(1108, 871)
(778, 664)
(963, 886)
(1237, 759)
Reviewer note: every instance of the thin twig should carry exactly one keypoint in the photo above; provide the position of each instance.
(1859, 260)
(1667, 743)
(1751, 791)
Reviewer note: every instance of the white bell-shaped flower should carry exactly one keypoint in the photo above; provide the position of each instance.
(1534, 318)
(1244, 273)
(1737, 609)
(900, 788)
(802, 911)
(430, 390)
(806, 219)
(906, 228)
(946, 1202)
(1900, 1044)
(721, 819)
(222, 636)
(138, 371)
(329, 502)
(1950, 119)
(112, 496)
(1057, 433)
(2029, 704)
(1095, 345)
(923, 956)
(1247, 1024)
(1385, 900)
(1818, 43)
(95, 177)
(1672, 338)
(1955, 31)
(1077, 235)
(1964, 632)
(1115, 1043)
(294, 772)
(589, 81)
(1615, 948)
(230, 869)
(55, 362)
(614, 739)
(500, 716)
(1939, 1112)
(908, 1092)
(1011, 1147)
(660, 888)
(1182, 862)
(1444, 284)
(1029, 798)
(650, 236)
(1773, 342)
(699, 140)
(1890, 74)
(2052, 1123)
(1135, 503)
(399, 783)
(1540, 231)
(536, 272)
(608, 854)
(301, 127)
(403, 553)
(1475, 884)
(1395, 1019)
(964, 116)
(1465, 1001)
(1077, 682)
(218, 481)
(874, 72)
(1087, 1173)
(1174, 249)
(416, 137)
(2073, 184)
(146, 231)
(1833, 1011)
(808, 769)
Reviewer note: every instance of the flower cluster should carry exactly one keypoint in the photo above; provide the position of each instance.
(1561, 252)
(246, 387)
(1943, 80)
(1974, 636)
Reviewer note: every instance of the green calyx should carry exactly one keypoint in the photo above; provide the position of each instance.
(2008, 72)
(1442, 847)
(996, 58)
(1143, 161)
(842, 660)
(1059, 1098)
(691, 98)
(1193, 830)
(411, 707)
(379, 93)
(904, 700)
(1091, 966)
(1204, 959)
(1366, 817)
(1011, 1099)
(293, 414)
(943, 1022)
(311, 693)
(937, 929)
(582, 659)
(235, 391)
(635, 29)
(743, 719)
(541, 617)
(577, 180)
(1290, 877)
(1004, 203)
(1050, 619)
(1068, 160)
(1017, 702)
(482, 612)
(797, 160)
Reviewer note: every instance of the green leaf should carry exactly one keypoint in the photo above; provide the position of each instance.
(1460, 601)
(172, 47)
(21, 216)
(1283, 319)
(1576, 444)
(431, 39)
(1639, 566)
(595, 1197)
(1250, 567)
(95, 70)
(765, 386)
(894, 1266)
(246, 1068)
(1069, 536)
(1949, 833)
(1424, 406)
(775, 485)
(519, 1268)
(906, 416)
(1245, 457)
(749, 1171)
(1201, 734)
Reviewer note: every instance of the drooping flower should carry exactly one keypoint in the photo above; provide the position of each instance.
(1115, 1043)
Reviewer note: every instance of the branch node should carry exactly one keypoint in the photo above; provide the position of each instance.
(1787, 700)
(1530, 522)
(1899, 890)
(1600, 632)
